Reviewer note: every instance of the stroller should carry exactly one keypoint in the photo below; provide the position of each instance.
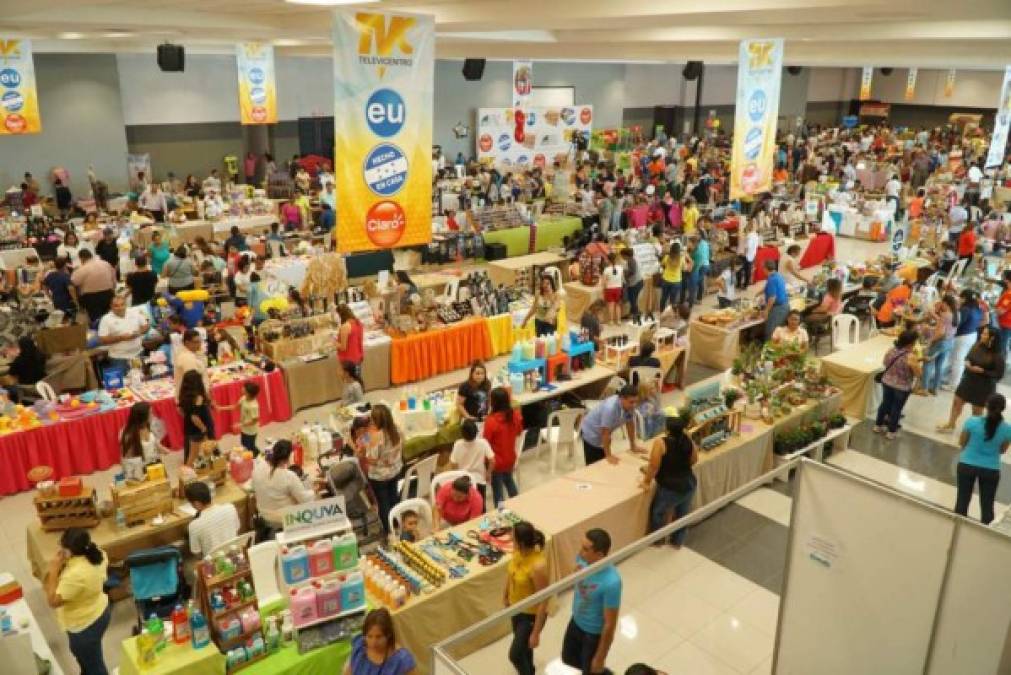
(158, 583)
(345, 478)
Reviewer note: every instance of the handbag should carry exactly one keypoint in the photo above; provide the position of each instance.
(880, 376)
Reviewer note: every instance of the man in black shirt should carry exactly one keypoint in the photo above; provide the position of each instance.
(141, 283)
(64, 200)
(108, 250)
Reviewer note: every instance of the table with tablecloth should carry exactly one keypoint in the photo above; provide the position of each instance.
(273, 400)
(505, 272)
(758, 267)
(820, 248)
(174, 659)
(312, 383)
(118, 544)
(424, 355)
(852, 369)
(504, 333)
(717, 346)
(515, 239)
(578, 297)
(549, 231)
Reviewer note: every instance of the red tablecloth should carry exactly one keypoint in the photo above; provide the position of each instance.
(764, 253)
(730, 224)
(74, 447)
(273, 399)
(818, 249)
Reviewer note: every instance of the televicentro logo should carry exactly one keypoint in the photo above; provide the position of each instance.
(385, 223)
(374, 31)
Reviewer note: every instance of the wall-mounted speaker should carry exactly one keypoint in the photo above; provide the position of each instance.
(171, 58)
(887, 71)
(473, 69)
(794, 70)
(692, 70)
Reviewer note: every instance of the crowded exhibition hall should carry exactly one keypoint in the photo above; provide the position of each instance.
(472, 338)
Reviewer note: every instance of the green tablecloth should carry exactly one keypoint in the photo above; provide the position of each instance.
(551, 229)
(516, 239)
(323, 661)
(417, 446)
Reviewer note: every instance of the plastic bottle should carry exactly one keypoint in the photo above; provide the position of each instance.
(146, 649)
(287, 626)
(321, 558)
(238, 558)
(180, 625)
(250, 620)
(345, 550)
(328, 599)
(156, 628)
(200, 635)
(229, 628)
(120, 519)
(207, 567)
(218, 603)
(255, 647)
(303, 605)
(273, 634)
(352, 590)
(295, 564)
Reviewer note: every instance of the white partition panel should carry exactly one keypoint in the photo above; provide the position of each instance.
(864, 573)
(974, 619)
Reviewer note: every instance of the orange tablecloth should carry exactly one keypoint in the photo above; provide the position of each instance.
(417, 357)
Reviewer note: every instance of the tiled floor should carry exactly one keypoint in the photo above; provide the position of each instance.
(709, 608)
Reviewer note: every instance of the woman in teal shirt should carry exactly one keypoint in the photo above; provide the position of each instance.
(159, 252)
(700, 267)
(983, 441)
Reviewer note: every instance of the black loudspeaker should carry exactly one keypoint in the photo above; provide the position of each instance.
(794, 70)
(692, 70)
(171, 58)
(886, 71)
(495, 251)
(473, 69)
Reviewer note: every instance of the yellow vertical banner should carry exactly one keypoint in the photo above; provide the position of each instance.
(759, 73)
(911, 84)
(949, 84)
(866, 77)
(19, 100)
(257, 86)
(384, 76)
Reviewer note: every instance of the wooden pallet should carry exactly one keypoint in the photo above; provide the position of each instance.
(216, 473)
(143, 501)
(61, 513)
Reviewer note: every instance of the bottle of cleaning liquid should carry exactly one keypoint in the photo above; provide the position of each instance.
(295, 564)
(517, 354)
(303, 605)
(146, 649)
(273, 634)
(207, 567)
(156, 628)
(180, 625)
(287, 626)
(229, 628)
(200, 634)
(352, 590)
(321, 558)
(328, 599)
(345, 551)
(250, 620)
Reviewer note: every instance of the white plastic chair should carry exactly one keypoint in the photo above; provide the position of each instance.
(422, 472)
(442, 478)
(419, 506)
(845, 331)
(275, 249)
(641, 374)
(263, 565)
(46, 391)
(562, 429)
(243, 541)
(521, 440)
(956, 271)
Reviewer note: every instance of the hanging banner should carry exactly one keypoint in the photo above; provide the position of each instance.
(384, 74)
(865, 82)
(759, 70)
(19, 102)
(523, 84)
(257, 89)
(911, 84)
(998, 143)
(949, 84)
(549, 135)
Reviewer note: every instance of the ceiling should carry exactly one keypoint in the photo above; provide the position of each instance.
(923, 33)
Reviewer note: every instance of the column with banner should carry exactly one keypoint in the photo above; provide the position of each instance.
(759, 71)
(911, 84)
(949, 83)
(19, 101)
(1002, 121)
(257, 87)
(384, 74)
(866, 77)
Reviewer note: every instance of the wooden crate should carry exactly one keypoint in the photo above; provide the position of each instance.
(216, 473)
(61, 513)
(144, 501)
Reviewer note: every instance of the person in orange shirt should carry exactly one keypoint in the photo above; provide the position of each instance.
(780, 175)
(915, 209)
(967, 243)
(896, 297)
(1003, 310)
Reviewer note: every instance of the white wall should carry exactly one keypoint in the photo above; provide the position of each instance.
(207, 91)
(652, 84)
(829, 84)
(973, 88)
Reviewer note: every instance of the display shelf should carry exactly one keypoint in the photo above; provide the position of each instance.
(239, 640)
(60, 513)
(232, 610)
(340, 615)
(214, 582)
(246, 664)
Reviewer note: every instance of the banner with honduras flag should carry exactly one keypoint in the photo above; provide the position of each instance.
(384, 76)
(257, 88)
(19, 102)
(1002, 121)
(759, 71)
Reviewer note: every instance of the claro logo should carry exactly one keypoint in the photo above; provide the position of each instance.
(385, 223)
(378, 34)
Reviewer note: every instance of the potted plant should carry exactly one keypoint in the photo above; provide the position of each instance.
(730, 396)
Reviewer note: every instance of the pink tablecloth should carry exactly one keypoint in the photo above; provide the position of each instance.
(273, 399)
(74, 447)
(818, 250)
(764, 253)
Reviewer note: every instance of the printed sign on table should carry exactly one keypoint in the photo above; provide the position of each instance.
(759, 71)
(257, 88)
(384, 74)
(998, 143)
(548, 134)
(865, 82)
(911, 84)
(19, 102)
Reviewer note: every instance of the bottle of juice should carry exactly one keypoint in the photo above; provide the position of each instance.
(180, 625)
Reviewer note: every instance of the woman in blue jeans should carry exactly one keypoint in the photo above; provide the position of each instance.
(74, 586)
(983, 441)
(902, 367)
(942, 342)
(670, 462)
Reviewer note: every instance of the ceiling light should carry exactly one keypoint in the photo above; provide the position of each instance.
(71, 36)
(288, 42)
(116, 34)
(330, 3)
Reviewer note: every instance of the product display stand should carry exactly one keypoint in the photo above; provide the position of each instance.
(219, 584)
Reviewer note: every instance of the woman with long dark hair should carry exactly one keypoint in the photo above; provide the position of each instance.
(902, 367)
(350, 339)
(501, 428)
(382, 451)
(527, 574)
(545, 307)
(983, 441)
(195, 404)
(74, 585)
(375, 651)
(276, 488)
(472, 396)
(670, 462)
(942, 341)
(136, 440)
(984, 367)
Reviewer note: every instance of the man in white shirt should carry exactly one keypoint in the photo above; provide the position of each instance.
(212, 183)
(190, 357)
(892, 189)
(214, 524)
(751, 244)
(956, 222)
(153, 201)
(328, 196)
(122, 333)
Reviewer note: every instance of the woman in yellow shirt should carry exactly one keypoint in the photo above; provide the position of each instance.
(675, 264)
(527, 574)
(74, 587)
(690, 217)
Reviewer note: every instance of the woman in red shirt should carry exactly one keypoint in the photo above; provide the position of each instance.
(501, 428)
(967, 243)
(350, 339)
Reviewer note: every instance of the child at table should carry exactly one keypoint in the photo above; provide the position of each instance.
(409, 523)
(249, 416)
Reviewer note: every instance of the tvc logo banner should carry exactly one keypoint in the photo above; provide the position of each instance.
(374, 32)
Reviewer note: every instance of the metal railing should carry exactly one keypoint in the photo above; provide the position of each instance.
(440, 652)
